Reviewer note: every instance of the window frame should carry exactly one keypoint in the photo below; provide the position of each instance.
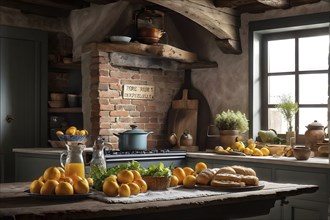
(258, 29)
(296, 73)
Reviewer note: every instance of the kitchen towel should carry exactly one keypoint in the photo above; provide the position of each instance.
(163, 195)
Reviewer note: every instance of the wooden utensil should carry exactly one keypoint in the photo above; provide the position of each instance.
(183, 116)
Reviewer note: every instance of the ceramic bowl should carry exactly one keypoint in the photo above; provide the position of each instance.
(74, 138)
(301, 152)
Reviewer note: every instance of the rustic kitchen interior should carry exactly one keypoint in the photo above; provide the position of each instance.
(149, 81)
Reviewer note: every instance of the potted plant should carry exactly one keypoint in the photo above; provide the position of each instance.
(230, 125)
(288, 109)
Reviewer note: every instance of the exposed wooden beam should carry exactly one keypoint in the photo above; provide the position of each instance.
(276, 3)
(222, 22)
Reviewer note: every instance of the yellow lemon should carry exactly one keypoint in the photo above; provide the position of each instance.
(71, 130)
(135, 188)
(252, 146)
(142, 184)
(59, 133)
(250, 141)
(64, 188)
(52, 173)
(83, 132)
(189, 181)
(49, 187)
(174, 181)
(188, 170)
(110, 187)
(248, 151)
(200, 166)
(90, 181)
(238, 146)
(112, 178)
(179, 173)
(125, 176)
(35, 186)
(137, 175)
(81, 186)
(265, 151)
(257, 152)
(124, 190)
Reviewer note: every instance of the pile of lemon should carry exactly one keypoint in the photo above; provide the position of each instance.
(186, 176)
(72, 130)
(251, 148)
(124, 184)
(54, 182)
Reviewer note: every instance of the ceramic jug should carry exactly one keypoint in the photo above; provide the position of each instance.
(186, 139)
(315, 134)
(74, 162)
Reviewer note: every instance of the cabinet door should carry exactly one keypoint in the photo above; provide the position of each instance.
(23, 97)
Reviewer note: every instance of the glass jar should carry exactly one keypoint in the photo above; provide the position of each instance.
(97, 164)
(74, 162)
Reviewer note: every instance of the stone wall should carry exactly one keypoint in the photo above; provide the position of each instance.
(105, 110)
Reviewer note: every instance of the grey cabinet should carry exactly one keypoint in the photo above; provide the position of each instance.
(23, 93)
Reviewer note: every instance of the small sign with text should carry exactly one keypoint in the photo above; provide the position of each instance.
(138, 92)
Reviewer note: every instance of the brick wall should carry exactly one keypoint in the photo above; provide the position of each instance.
(105, 110)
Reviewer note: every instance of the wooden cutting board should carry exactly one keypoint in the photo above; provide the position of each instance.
(184, 116)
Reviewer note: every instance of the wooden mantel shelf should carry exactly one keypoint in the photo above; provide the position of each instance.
(160, 56)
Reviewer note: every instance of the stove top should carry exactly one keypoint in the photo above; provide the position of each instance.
(152, 153)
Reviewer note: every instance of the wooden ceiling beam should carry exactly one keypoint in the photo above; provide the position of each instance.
(224, 23)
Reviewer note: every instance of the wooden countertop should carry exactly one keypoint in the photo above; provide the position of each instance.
(17, 204)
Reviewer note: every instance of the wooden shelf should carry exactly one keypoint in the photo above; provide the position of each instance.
(65, 110)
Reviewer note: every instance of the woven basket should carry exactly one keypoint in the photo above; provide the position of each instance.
(157, 182)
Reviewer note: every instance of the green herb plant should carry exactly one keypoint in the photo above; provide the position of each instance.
(230, 120)
(288, 108)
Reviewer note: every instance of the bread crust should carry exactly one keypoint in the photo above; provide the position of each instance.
(226, 183)
(244, 170)
(250, 180)
(226, 170)
(205, 176)
(227, 177)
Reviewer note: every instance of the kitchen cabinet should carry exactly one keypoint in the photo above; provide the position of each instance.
(64, 78)
(23, 93)
(308, 206)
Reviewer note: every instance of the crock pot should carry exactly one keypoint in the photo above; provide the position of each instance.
(134, 139)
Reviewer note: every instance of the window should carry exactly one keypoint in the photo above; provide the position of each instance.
(295, 64)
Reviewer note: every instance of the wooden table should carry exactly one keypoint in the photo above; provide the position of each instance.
(17, 204)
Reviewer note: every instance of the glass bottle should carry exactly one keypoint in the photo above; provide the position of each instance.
(98, 165)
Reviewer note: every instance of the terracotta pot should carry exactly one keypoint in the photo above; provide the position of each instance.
(315, 134)
(228, 137)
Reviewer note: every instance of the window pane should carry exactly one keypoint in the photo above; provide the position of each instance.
(277, 122)
(281, 56)
(313, 53)
(313, 89)
(308, 115)
(280, 85)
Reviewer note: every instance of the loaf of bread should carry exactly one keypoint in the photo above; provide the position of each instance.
(205, 177)
(244, 170)
(227, 183)
(250, 180)
(227, 177)
(228, 170)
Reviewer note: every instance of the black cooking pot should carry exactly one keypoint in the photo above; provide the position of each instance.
(134, 139)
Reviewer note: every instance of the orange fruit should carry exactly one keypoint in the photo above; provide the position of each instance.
(41, 178)
(179, 173)
(124, 190)
(265, 151)
(62, 171)
(76, 178)
(112, 178)
(64, 188)
(81, 186)
(188, 170)
(137, 175)
(71, 130)
(200, 166)
(52, 173)
(35, 186)
(257, 152)
(110, 187)
(125, 176)
(143, 185)
(135, 188)
(49, 187)
(66, 179)
(174, 181)
(189, 181)
(248, 151)
(90, 181)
